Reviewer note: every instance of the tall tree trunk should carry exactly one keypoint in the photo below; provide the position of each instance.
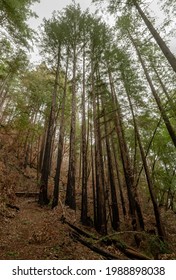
(128, 173)
(147, 150)
(114, 204)
(118, 178)
(155, 95)
(169, 99)
(43, 194)
(70, 192)
(100, 194)
(60, 142)
(84, 151)
(42, 147)
(159, 224)
(93, 179)
(166, 51)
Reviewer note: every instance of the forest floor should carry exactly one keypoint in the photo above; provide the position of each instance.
(37, 233)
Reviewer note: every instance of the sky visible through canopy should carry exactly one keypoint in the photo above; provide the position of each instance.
(45, 8)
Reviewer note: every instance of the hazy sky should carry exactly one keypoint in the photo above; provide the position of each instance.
(46, 7)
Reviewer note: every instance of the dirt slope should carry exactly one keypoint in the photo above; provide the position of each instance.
(37, 233)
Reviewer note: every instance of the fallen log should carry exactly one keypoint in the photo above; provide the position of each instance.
(133, 254)
(27, 194)
(101, 252)
(80, 231)
(128, 251)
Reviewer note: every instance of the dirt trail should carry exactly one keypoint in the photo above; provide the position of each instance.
(37, 233)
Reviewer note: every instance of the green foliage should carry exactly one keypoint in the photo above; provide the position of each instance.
(157, 246)
(13, 17)
(164, 172)
(11, 61)
(30, 100)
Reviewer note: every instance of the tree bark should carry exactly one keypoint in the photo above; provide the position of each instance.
(160, 228)
(70, 192)
(114, 205)
(169, 99)
(84, 151)
(155, 95)
(119, 179)
(134, 206)
(43, 194)
(100, 194)
(166, 51)
(60, 142)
